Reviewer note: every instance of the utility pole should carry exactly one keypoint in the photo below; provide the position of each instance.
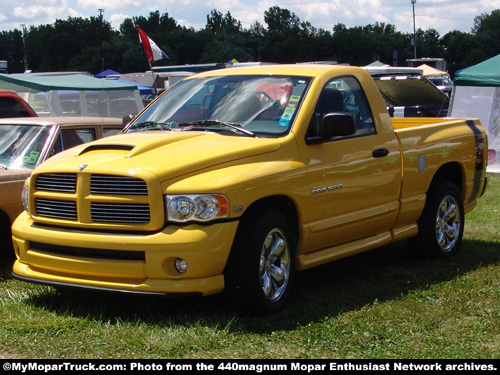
(101, 32)
(414, 31)
(25, 58)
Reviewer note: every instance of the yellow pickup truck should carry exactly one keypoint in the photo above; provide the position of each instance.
(233, 180)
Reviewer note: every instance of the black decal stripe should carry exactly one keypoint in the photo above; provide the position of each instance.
(479, 138)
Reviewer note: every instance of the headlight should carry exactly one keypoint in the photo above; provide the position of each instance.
(196, 207)
(25, 197)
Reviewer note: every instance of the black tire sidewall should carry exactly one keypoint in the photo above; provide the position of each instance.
(426, 241)
(242, 271)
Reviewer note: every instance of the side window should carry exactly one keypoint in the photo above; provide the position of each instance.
(74, 137)
(344, 95)
(106, 132)
(12, 108)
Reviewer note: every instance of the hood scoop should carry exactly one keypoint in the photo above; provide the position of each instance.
(107, 147)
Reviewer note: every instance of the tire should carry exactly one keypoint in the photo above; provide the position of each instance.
(441, 225)
(260, 268)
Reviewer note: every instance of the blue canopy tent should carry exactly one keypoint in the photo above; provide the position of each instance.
(143, 89)
(106, 73)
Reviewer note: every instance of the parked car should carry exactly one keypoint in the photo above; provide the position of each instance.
(12, 105)
(444, 83)
(26, 142)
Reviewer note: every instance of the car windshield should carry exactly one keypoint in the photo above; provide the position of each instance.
(21, 145)
(244, 105)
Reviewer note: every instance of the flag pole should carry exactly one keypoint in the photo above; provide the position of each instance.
(152, 51)
(154, 80)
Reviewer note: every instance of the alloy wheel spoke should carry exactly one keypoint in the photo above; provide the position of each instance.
(274, 265)
(277, 275)
(447, 223)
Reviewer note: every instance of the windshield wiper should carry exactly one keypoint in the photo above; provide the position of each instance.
(209, 123)
(3, 166)
(151, 125)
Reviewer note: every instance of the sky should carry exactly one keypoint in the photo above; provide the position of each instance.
(441, 15)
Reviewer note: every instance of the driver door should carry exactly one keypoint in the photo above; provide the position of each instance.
(354, 181)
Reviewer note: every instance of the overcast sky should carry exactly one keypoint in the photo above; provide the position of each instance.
(442, 15)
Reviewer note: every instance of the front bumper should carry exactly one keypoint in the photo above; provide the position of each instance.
(140, 263)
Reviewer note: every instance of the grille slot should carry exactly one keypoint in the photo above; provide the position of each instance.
(55, 208)
(120, 185)
(88, 253)
(62, 182)
(119, 213)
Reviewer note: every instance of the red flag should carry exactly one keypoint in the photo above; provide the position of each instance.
(152, 51)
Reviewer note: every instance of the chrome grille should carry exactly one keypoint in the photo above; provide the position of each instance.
(107, 208)
(120, 185)
(119, 212)
(56, 208)
(62, 182)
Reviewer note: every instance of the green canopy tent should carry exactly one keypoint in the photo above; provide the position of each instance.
(60, 94)
(476, 93)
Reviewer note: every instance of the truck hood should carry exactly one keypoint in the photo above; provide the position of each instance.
(167, 153)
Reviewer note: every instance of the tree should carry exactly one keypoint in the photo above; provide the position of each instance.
(461, 50)
(11, 49)
(225, 24)
(280, 21)
(287, 39)
(185, 45)
(75, 43)
(428, 43)
(487, 31)
(225, 39)
(344, 40)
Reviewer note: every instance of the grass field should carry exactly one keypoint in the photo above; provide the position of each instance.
(381, 304)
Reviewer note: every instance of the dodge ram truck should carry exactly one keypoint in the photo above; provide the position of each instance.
(232, 180)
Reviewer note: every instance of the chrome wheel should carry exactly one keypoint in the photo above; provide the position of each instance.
(274, 265)
(448, 223)
(441, 225)
(261, 266)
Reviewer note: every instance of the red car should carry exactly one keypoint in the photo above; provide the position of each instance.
(12, 105)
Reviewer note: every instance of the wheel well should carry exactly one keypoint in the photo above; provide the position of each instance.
(450, 172)
(5, 233)
(282, 204)
(4, 222)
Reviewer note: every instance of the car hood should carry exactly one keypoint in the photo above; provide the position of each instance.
(166, 153)
(13, 175)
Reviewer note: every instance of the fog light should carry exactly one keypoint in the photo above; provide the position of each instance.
(180, 265)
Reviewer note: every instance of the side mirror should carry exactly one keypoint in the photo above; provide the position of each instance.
(336, 124)
(126, 119)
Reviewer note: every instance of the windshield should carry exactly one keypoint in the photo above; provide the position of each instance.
(246, 105)
(21, 145)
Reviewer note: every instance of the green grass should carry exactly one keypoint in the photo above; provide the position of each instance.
(381, 304)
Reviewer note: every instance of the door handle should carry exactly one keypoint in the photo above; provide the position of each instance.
(380, 153)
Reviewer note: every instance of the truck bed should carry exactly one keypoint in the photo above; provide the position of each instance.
(410, 122)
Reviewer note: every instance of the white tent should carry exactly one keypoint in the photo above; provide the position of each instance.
(62, 94)
(429, 71)
(477, 94)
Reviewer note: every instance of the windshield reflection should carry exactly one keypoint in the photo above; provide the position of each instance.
(263, 105)
(21, 146)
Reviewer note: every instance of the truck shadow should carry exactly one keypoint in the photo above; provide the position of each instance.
(345, 285)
